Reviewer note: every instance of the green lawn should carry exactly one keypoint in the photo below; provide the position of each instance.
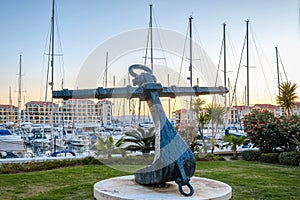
(249, 180)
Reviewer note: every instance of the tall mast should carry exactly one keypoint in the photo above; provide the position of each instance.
(151, 40)
(191, 53)
(277, 63)
(247, 65)
(224, 43)
(52, 76)
(225, 72)
(10, 106)
(191, 64)
(52, 50)
(106, 64)
(20, 90)
(278, 77)
(169, 100)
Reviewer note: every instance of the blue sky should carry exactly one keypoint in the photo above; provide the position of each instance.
(85, 24)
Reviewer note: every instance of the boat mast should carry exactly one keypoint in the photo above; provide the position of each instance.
(225, 78)
(191, 53)
(20, 90)
(277, 63)
(10, 107)
(151, 39)
(247, 65)
(106, 64)
(278, 78)
(191, 64)
(52, 51)
(52, 76)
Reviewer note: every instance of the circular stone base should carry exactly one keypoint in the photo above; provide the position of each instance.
(124, 187)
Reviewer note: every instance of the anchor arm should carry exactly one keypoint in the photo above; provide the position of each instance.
(137, 92)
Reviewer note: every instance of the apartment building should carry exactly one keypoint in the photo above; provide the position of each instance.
(39, 111)
(8, 113)
(104, 110)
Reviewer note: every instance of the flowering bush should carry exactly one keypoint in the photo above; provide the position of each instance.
(269, 132)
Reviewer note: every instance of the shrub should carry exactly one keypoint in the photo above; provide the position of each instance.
(89, 160)
(269, 157)
(46, 165)
(250, 155)
(210, 157)
(130, 160)
(269, 132)
(289, 158)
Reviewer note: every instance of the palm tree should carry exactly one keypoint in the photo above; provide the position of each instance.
(105, 146)
(234, 142)
(287, 95)
(202, 118)
(215, 113)
(138, 140)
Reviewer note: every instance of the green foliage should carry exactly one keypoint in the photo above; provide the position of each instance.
(287, 96)
(210, 157)
(250, 155)
(138, 140)
(105, 146)
(46, 165)
(289, 158)
(269, 132)
(89, 160)
(234, 142)
(130, 160)
(269, 157)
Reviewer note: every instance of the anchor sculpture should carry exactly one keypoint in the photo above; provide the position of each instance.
(173, 161)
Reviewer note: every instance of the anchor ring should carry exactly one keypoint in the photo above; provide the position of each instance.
(138, 66)
(189, 186)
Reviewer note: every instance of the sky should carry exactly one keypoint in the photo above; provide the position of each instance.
(83, 25)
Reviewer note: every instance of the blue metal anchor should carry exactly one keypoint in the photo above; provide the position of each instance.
(173, 161)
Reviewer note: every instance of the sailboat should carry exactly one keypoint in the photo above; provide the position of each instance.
(10, 143)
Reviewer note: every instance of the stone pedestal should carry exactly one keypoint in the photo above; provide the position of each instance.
(125, 188)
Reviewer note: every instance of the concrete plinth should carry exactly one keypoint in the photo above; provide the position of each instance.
(125, 188)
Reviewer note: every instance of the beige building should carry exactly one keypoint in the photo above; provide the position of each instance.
(104, 110)
(39, 111)
(81, 111)
(8, 113)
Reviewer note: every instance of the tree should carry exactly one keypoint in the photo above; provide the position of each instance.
(138, 140)
(215, 113)
(234, 142)
(287, 96)
(105, 146)
(202, 118)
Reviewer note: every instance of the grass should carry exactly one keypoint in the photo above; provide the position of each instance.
(249, 180)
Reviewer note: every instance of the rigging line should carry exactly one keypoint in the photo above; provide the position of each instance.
(156, 22)
(159, 36)
(280, 78)
(43, 63)
(286, 78)
(62, 70)
(259, 47)
(233, 51)
(260, 62)
(182, 58)
(240, 63)
(219, 62)
(146, 52)
(181, 63)
(48, 66)
(197, 35)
